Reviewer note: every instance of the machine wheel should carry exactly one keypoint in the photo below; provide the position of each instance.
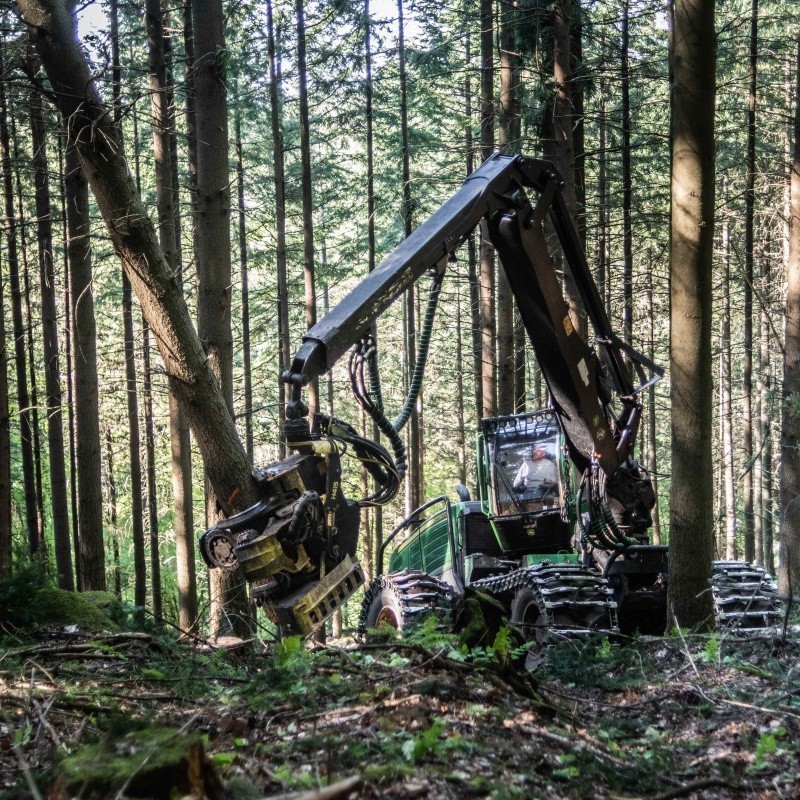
(401, 599)
(527, 613)
(745, 598)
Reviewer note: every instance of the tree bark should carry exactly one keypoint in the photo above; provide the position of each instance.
(627, 189)
(747, 369)
(52, 372)
(726, 410)
(12, 257)
(134, 239)
(280, 217)
(5, 446)
(213, 252)
(691, 251)
(306, 190)
(487, 277)
(789, 538)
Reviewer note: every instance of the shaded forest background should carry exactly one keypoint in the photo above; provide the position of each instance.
(347, 125)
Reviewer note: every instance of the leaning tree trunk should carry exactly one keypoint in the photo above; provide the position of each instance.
(134, 238)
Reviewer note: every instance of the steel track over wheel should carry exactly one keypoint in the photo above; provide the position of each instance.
(745, 598)
(402, 599)
(556, 601)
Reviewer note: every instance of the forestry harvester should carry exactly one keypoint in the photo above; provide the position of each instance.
(559, 531)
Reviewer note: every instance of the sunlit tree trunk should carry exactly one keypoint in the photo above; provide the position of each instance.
(229, 596)
(726, 410)
(789, 538)
(487, 281)
(691, 250)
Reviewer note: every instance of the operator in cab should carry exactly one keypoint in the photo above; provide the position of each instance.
(537, 474)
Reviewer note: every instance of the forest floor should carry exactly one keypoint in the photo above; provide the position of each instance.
(685, 716)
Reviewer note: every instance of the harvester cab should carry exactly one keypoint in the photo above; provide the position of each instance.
(522, 468)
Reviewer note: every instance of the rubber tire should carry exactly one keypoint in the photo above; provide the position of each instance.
(385, 607)
(525, 612)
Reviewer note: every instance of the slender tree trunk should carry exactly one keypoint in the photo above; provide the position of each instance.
(766, 419)
(627, 227)
(747, 370)
(414, 432)
(12, 257)
(563, 119)
(789, 538)
(306, 189)
(228, 590)
(152, 485)
(180, 442)
(728, 460)
(280, 216)
(52, 372)
(691, 251)
(472, 261)
(29, 349)
(652, 455)
(603, 264)
(5, 445)
(248, 379)
(68, 346)
(508, 139)
(374, 536)
(487, 282)
(87, 400)
(112, 503)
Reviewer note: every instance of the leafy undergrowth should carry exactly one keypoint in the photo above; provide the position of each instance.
(693, 716)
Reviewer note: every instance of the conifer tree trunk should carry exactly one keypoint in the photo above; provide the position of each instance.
(73, 470)
(508, 140)
(180, 443)
(131, 389)
(112, 513)
(20, 362)
(306, 190)
(248, 379)
(487, 282)
(747, 369)
(229, 596)
(52, 372)
(472, 261)
(30, 351)
(5, 444)
(87, 401)
(374, 536)
(414, 489)
(765, 426)
(726, 409)
(627, 227)
(280, 217)
(652, 456)
(789, 537)
(691, 251)
(563, 139)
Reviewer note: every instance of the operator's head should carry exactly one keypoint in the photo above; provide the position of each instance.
(538, 452)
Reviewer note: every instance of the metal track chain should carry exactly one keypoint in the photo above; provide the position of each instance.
(573, 601)
(418, 593)
(745, 597)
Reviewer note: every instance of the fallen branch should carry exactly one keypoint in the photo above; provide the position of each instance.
(694, 786)
(340, 789)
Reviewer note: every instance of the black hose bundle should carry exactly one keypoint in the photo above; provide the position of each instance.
(368, 392)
